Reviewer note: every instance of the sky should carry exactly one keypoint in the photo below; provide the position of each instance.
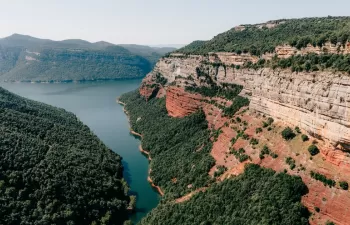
(150, 22)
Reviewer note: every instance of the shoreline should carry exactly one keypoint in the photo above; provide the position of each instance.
(149, 179)
(145, 152)
(68, 81)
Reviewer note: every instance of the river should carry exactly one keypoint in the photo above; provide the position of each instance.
(95, 105)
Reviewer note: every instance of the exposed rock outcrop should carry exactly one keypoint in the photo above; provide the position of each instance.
(180, 103)
(317, 102)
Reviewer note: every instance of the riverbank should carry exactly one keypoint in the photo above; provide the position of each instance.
(149, 179)
(68, 81)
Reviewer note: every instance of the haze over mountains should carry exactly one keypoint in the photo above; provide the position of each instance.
(26, 58)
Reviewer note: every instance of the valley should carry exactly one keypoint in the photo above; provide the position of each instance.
(250, 127)
(28, 59)
(94, 104)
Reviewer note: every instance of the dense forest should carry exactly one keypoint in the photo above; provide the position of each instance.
(309, 63)
(179, 147)
(54, 170)
(258, 196)
(25, 58)
(258, 39)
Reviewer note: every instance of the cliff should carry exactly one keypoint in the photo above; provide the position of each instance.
(294, 71)
(317, 102)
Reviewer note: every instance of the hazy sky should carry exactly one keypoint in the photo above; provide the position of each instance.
(150, 21)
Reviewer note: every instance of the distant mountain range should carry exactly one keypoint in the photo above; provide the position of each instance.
(26, 58)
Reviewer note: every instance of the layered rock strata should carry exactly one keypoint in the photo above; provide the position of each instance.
(317, 102)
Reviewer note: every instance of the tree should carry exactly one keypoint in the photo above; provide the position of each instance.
(288, 133)
(344, 185)
(313, 150)
(304, 137)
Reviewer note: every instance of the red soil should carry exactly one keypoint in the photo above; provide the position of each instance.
(334, 203)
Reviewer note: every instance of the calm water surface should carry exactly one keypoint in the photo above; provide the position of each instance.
(95, 104)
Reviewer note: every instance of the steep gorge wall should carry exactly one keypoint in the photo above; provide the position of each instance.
(317, 102)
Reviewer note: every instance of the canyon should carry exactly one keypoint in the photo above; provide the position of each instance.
(316, 102)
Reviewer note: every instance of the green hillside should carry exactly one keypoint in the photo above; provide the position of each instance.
(25, 58)
(54, 170)
(258, 196)
(259, 38)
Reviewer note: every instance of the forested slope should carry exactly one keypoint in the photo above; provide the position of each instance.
(258, 196)
(173, 144)
(261, 38)
(25, 58)
(54, 170)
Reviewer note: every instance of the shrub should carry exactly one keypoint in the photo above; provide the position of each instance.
(265, 124)
(254, 141)
(240, 154)
(330, 223)
(238, 119)
(344, 185)
(220, 170)
(297, 129)
(265, 150)
(322, 178)
(269, 128)
(313, 150)
(245, 136)
(273, 155)
(291, 162)
(304, 137)
(258, 130)
(233, 141)
(288, 133)
(261, 156)
(317, 209)
(270, 120)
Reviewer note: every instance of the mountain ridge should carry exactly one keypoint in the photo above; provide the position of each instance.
(26, 58)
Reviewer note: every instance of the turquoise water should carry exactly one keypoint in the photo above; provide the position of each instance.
(95, 104)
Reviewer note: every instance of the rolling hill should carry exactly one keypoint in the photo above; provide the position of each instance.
(26, 58)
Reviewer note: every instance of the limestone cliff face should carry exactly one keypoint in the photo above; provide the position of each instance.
(317, 102)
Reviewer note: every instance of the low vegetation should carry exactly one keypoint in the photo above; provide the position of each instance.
(240, 154)
(258, 130)
(344, 185)
(313, 150)
(322, 178)
(304, 137)
(266, 151)
(219, 171)
(254, 141)
(291, 162)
